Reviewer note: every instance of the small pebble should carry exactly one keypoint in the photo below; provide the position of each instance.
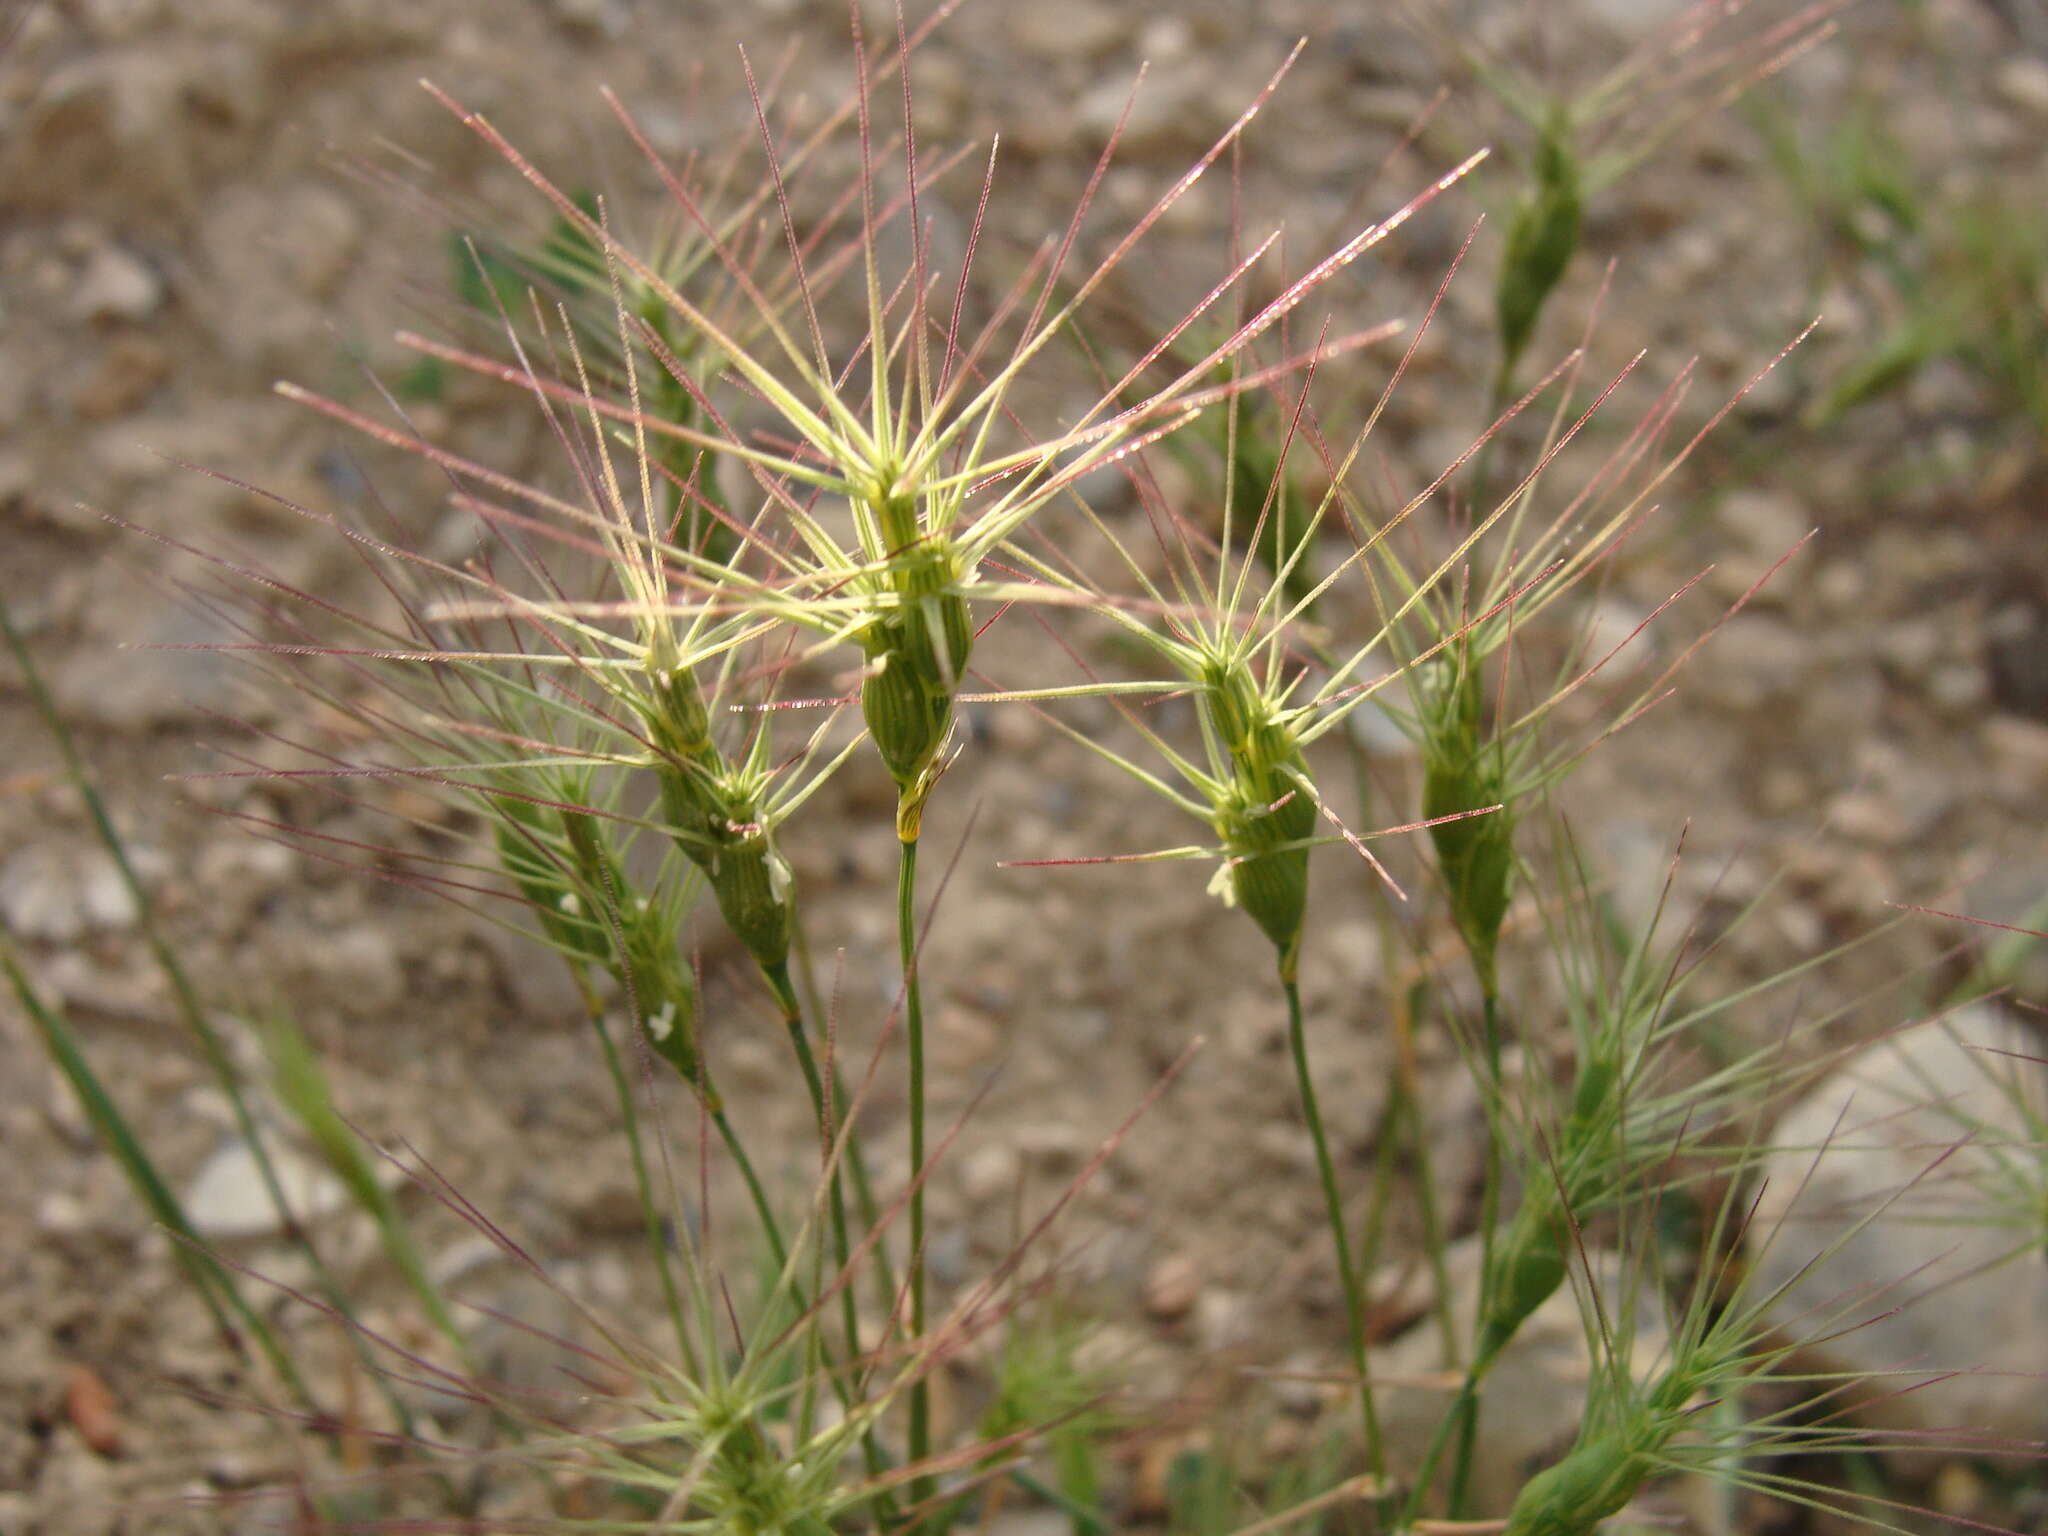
(89, 1405)
(228, 1198)
(1173, 1288)
(117, 284)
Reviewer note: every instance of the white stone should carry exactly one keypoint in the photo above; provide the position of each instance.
(228, 1198)
(989, 1174)
(117, 284)
(58, 895)
(1070, 29)
(2022, 81)
(59, 1213)
(1766, 524)
(1912, 1181)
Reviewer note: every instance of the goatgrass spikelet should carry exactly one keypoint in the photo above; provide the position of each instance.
(1571, 1498)
(1542, 238)
(1463, 774)
(1264, 810)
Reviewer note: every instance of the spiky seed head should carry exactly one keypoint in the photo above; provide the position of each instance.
(1541, 240)
(755, 891)
(1595, 1107)
(678, 719)
(660, 984)
(917, 649)
(1262, 810)
(1463, 773)
(1268, 845)
(1529, 1264)
(1573, 1497)
(1243, 717)
(716, 817)
(907, 717)
(639, 945)
(596, 908)
(525, 836)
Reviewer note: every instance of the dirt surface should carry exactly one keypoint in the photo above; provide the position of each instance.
(202, 198)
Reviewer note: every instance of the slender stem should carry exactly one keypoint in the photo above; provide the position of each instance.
(793, 1021)
(779, 982)
(1489, 1218)
(1457, 1416)
(650, 1210)
(869, 1208)
(210, 1278)
(913, 1017)
(736, 1149)
(1347, 1270)
(190, 1009)
(1435, 1242)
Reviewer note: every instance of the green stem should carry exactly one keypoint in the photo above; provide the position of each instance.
(777, 1249)
(1489, 1218)
(1347, 1270)
(869, 1208)
(779, 982)
(650, 1210)
(190, 1009)
(1457, 1416)
(216, 1287)
(913, 1017)
(1085, 1520)
(814, 1080)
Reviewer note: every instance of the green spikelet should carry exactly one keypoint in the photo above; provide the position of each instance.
(1268, 815)
(754, 890)
(1571, 1498)
(907, 714)
(1541, 241)
(524, 835)
(714, 813)
(917, 651)
(665, 995)
(1528, 1266)
(1269, 879)
(717, 825)
(1463, 772)
(678, 720)
(639, 946)
(1593, 1112)
(1532, 1256)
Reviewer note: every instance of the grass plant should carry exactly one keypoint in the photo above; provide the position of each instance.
(799, 471)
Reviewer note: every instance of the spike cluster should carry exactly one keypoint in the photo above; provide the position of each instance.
(1264, 810)
(1541, 241)
(1464, 795)
(716, 811)
(917, 646)
(561, 861)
